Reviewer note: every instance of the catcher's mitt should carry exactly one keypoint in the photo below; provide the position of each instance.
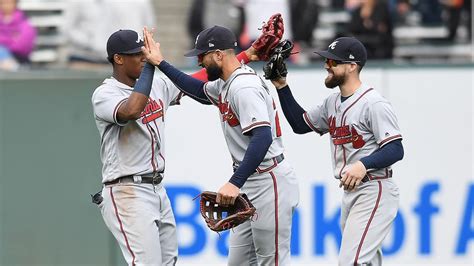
(219, 218)
(276, 67)
(272, 31)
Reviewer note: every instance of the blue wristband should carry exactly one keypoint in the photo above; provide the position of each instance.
(145, 80)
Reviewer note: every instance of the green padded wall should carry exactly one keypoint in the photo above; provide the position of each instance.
(49, 164)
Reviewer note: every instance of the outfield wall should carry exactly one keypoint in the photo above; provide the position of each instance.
(49, 164)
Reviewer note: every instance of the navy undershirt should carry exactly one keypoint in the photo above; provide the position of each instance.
(260, 137)
(144, 82)
(260, 141)
(381, 158)
(192, 87)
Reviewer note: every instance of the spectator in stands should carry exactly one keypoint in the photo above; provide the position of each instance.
(207, 13)
(430, 11)
(372, 25)
(399, 10)
(455, 9)
(17, 36)
(304, 16)
(90, 22)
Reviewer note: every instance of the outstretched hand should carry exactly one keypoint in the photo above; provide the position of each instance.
(151, 50)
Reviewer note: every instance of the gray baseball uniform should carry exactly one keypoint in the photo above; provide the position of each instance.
(358, 127)
(244, 103)
(139, 215)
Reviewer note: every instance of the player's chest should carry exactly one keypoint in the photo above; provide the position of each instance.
(346, 125)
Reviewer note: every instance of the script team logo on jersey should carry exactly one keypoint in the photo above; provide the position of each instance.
(227, 113)
(153, 110)
(345, 134)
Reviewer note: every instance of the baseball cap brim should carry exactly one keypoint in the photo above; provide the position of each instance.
(194, 52)
(132, 51)
(328, 55)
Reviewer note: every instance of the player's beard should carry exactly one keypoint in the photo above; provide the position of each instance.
(335, 80)
(214, 72)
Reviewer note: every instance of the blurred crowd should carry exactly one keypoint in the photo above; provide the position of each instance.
(88, 23)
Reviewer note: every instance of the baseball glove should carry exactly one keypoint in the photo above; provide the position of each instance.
(272, 31)
(276, 67)
(219, 218)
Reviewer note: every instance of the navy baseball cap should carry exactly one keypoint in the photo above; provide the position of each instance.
(347, 49)
(211, 39)
(124, 42)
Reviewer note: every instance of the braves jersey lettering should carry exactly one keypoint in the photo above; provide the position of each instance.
(153, 110)
(345, 134)
(227, 113)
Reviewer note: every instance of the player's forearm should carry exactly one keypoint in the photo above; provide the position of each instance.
(258, 147)
(133, 107)
(292, 111)
(192, 87)
(389, 154)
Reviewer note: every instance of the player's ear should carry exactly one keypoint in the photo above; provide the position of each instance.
(354, 67)
(118, 59)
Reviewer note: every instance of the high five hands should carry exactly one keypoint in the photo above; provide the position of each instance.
(151, 50)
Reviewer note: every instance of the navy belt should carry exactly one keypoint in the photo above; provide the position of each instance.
(369, 177)
(154, 179)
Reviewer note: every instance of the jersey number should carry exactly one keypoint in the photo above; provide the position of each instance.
(277, 121)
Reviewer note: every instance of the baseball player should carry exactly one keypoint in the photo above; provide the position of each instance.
(130, 117)
(251, 128)
(365, 142)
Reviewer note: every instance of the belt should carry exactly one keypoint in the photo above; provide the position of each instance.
(369, 177)
(275, 161)
(154, 179)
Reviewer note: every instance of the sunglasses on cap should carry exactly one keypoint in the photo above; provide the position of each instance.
(335, 63)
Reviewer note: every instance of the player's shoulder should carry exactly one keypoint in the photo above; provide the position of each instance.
(104, 87)
(245, 77)
(371, 95)
(109, 86)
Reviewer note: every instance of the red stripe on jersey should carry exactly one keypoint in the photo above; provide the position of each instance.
(310, 124)
(209, 96)
(343, 119)
(389, 139)
(343, 157)
(275, 192)
(150, 130)
(116, 110)
(277, 125)
(258, 124)
(121, 227)
(368, 223)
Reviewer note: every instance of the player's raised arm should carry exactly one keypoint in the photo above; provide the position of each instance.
(276, 71)
(128, 61)
(261, 49)
(189, 85)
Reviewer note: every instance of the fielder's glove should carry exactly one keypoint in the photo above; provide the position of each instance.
(219, 218)
(272, 31)
(276, 68)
